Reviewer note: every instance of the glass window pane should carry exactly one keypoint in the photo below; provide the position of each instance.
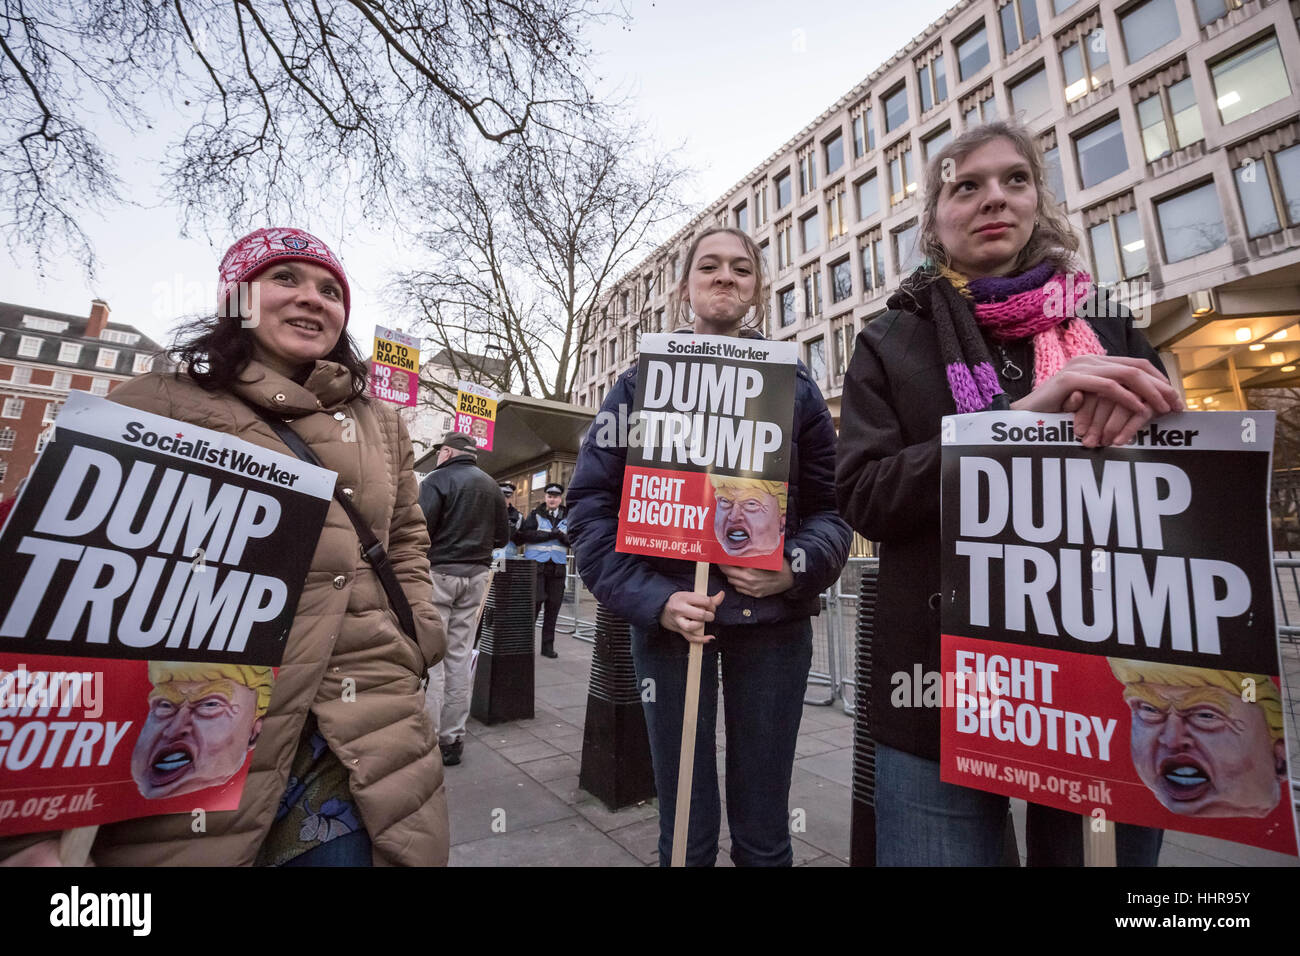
(787, 307)
(972, 117)
(1101, 154)
(1103, 253)
(1187, 118)
(1148, 27)
(1060, 6)
(1072, 63)
(1010, 29)
(1155, 137)
(1207, 11)
(895, 180)
(868, 198)
(1029, 18)
(905, 250)
(937, 142)
(923, 79)
(871, 130)
(1288, 172)
(811, 227)
(1132, 247)
(1191, 223)
(1052, 168)
(878, 256)
(782, 190)
(896, 109)
(1031, 96)
(834, 153)
(1256, 199)
(859, 137)
(1249, 81)
(940, 80)
(972, 54)
(841, 281)
(817, 359)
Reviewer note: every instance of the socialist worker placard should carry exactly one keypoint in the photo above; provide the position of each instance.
(1109, 643)
(709, 441)
(152, 573)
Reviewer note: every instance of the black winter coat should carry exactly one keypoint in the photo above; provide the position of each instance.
(887, 485)
(465, 512)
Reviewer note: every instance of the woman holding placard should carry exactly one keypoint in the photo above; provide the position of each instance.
(757, 622)
(345, 767)
(1000, 316)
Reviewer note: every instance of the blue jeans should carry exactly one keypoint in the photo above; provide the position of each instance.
(922, 821)
(764, 676)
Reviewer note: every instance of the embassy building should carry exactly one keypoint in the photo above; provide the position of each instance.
(1172, 141)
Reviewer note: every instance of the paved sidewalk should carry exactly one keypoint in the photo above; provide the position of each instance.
(514, 800)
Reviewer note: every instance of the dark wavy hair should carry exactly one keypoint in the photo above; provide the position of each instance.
(215, 351)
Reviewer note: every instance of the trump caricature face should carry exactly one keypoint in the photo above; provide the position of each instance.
(197, 735)
(748, 521)
(1203, 751)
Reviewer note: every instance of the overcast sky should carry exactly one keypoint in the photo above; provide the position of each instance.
(728, 80)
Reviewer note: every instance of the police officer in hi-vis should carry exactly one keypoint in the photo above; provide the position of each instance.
(545, 538)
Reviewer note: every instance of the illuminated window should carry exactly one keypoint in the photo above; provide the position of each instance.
(1250, 80)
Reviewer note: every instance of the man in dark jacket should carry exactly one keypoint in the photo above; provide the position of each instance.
(466, 514)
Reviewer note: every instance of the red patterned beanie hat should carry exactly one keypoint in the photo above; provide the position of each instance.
(257, 250)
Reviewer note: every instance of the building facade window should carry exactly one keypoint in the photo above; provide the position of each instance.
(901, 181)
(13, 408)
(1267, 173)
(1167, 112)
(836, 221)
(931, 78)
(843, 345)
(782, 186)
(1249, 80)
(1118, 250)
(107, 358)
(742, 217)
(810, 231)
(62, 381)
(1060, 6)
(4, 469)
(1019, 21)
(783, 248)
(760, 206)
(979, 107)
(807, 170)
(1147, 27)
(7, 437)
(99, 386)
(69, 352)
(29, 346)
(906, 253)
(812, 290)
(935, 142)
(1207, 11)
(895, 103)
(868, 196)
(1191, 223)
(51, 412)
(765, 250)
(872, 249)
(864, 137)
(20, 375)
(833, 150)
(788, 307)
(1101, 153)
(972, 52)
(816, 356)
(841, 280)
(1030, 95)
(1052, 165)
(1085, 60)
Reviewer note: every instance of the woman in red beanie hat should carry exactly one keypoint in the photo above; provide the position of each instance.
(346, 769)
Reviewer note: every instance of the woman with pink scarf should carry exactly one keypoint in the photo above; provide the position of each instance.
(1000, 316)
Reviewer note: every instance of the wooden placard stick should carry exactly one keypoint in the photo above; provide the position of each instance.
(690, 717)
(75, 844)
(1098, 848)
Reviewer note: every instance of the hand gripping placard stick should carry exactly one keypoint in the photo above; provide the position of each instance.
(690, 716)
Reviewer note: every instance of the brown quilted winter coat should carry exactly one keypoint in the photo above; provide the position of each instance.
(343, 629)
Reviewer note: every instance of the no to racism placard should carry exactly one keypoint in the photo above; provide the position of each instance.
(476, 413)
(708, 460)
(395, 369)
(152, 573)
(1109, 644)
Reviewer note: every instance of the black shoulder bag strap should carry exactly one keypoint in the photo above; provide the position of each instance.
(371, 549)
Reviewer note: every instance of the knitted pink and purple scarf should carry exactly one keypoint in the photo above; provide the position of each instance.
(1039, 303)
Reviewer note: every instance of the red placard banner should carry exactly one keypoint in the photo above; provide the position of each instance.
(1109, 644)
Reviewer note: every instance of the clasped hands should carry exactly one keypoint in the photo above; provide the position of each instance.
(1112, 397)
(687, 613)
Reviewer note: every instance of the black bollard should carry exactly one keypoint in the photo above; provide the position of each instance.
(862, 830)
(616, 765)
(503, 683)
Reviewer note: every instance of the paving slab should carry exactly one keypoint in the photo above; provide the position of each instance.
(571, 842)
(561, 696)
(806, 745)
(834, 765)
(504, 736)
(840, 736)
(605, 820)
(570, 743)
(550, 768)
(523, 803)
(528, 751)
(827, 812)
(641, 839)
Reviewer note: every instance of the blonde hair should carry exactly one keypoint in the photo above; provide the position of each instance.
(1053, 237)
(749, 487)
(255, 677)
(679, 301)
(1134, 673)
